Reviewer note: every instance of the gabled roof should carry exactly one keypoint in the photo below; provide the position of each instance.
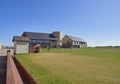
(21, 39)
(34, 35)
(73, 38)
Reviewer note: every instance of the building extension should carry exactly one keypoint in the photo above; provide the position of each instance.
(73, 42)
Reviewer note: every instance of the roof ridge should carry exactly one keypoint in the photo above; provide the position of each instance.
(36, 35)
(75, 38)
(37, 32)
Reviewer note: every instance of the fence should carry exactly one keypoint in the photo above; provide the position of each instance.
(12, 75)
(16, 73)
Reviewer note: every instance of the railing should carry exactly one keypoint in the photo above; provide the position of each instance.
(12, 75)
(16, 73)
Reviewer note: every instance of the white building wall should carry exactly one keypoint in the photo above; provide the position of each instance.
(21, 47)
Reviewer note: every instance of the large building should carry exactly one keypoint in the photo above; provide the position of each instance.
(44, 39)
(71, 41)
(23, 43)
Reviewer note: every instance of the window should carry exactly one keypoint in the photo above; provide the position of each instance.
(46, 41)
(73, 42)
(40, 41)
(33, 41)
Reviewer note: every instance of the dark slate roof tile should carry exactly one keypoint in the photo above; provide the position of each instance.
(21, 38)
(34, 35)
(75, 38)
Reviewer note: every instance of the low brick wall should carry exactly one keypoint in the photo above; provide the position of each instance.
(12, 75)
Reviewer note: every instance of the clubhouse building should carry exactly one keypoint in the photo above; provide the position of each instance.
(23, 43)
(44, 39)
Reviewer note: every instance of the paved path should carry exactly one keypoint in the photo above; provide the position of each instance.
(3, 52)
(3, 63)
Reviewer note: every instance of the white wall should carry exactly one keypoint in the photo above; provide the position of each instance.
(21, 47)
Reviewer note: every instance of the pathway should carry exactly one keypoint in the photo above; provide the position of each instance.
(3, 60)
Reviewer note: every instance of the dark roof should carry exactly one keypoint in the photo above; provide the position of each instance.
(34, 35)
(75, 38)
(21, 38)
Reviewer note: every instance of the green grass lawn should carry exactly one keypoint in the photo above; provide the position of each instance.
(74, 66)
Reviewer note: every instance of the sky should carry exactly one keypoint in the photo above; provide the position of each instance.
(96, 21)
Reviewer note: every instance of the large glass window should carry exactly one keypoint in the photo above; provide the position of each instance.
(75, 42)
(40, 41)
(33, 41)
(46, 41)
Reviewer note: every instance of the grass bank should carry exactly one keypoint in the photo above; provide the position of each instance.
(74, 66)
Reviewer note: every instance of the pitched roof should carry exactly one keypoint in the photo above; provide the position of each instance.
(75, 38)
(21, 38)
(34, 35)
